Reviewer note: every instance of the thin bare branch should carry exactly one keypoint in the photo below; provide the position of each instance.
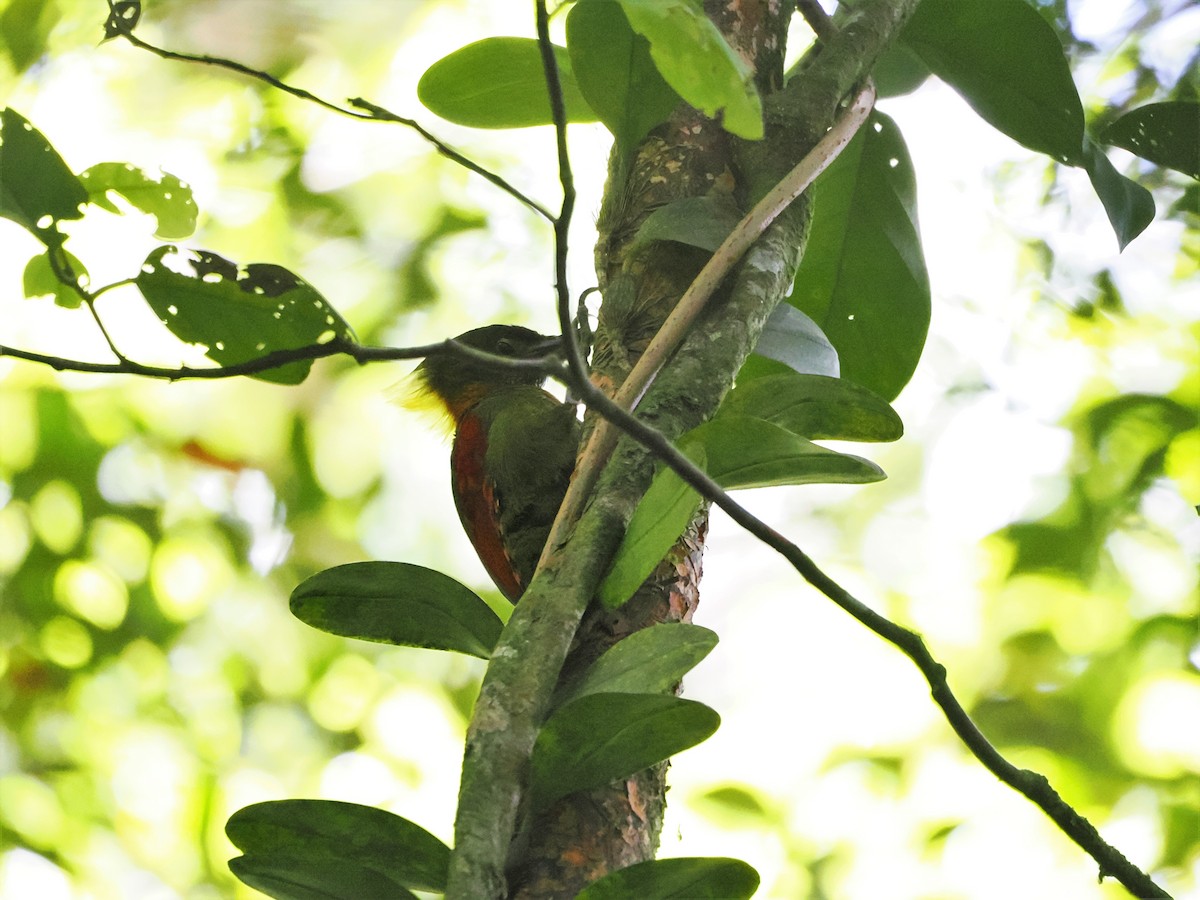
(357, 108)
(361, 354)
(562, 225)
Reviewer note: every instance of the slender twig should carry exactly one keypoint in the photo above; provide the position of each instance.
(339, 346)
(562, 225)
(60, 265)
(358, 108)
(91, 307)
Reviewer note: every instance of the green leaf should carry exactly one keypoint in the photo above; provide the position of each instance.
(702, 222)
(660, 518)
(499, 83)
(738, 452)
(683, 878)
(863, 277)
(615, 73)
(37, 190)
(734, 805)
(744, 452)
(651, 661)
(238, 312)
(39, 280)
(166, 198)
(1007, 63)
(792, 338)
(815, 407)
(695, 60)
(1167, 134)
(287, 877)
(341, 848)
(599, 738)
(1129, 206)
(397, 603)
(899, 71)
(25, 26)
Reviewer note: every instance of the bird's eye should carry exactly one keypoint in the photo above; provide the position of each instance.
(505, 347)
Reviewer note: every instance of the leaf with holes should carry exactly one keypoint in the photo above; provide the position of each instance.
(40, 280)
(237, 312)
(682, 878)
(602, 737)
(397, 603)
(332, 849)
(863, 277)
(1167, 134)
(166, 198)
(499, 82)
(37, 190)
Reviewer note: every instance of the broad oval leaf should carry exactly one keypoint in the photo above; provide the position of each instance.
(697, 62)
(166, 198)
(1167, 134)
(615, 73)
(899, 71)
(287, 877)
(602, 737)
(397, 603)
(794, 339)
(1129, 206)
(499, 82)
(650, 661)
(745, 452)
(323, 840)
(815, 407)
(1007, 63)
(862, 278)
(683, 878)
(660, 518)
(237, 312)
(37, 190)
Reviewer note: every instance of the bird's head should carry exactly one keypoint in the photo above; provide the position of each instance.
(450, 384)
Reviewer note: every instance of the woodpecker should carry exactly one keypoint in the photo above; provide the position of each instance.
(513, 451)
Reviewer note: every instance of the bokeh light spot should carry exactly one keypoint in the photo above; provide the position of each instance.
(57, 516)
(91, 591)
(66, 642)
